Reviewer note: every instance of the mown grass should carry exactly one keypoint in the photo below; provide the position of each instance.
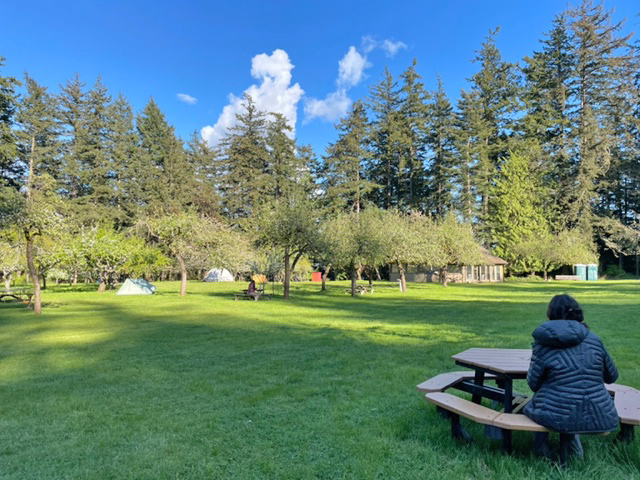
(322, 386)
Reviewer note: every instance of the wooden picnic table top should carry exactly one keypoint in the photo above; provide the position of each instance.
(508, 361)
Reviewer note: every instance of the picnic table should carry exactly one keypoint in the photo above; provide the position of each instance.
(256, 295)
(504, 366)
(360, 289)
(21, 294)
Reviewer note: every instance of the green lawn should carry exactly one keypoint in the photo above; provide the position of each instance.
(322, 386)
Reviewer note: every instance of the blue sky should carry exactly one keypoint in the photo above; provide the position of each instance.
(307, 59)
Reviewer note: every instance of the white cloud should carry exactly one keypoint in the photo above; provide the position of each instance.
(336, 104)
(274, 94)
(332, 108)
(183, 97)
(391, 48)
(369, 43)
(351, 68)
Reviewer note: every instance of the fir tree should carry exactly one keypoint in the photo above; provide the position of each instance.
(412, 148)
(9, 172)
(245, 179)
(385, 140)
(345, 181)
(443, 162)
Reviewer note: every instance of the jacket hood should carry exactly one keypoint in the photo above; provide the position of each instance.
(560, 333)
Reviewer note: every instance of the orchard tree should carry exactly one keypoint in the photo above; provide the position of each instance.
(190, 239)
(110, 254)
(356, 239)
(11, 254)
(292, 226)
(37, 211)
(551, 251)
(411, 240)
(456, 245)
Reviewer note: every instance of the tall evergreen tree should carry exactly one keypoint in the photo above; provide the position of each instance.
(203, 161)
(517, 212)
(98, 169)
(443, 163)
(495, 87)
(71, 114)
(8, 149)
(412, 143)
(165, 172)
(37, 137)
(385, 140)
(245, 158)
(599, 53)
(345, 181)
(126, 163)
(547, 124)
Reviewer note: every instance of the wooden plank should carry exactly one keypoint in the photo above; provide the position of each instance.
(462, 407)
(443, 381)
(628, 407)
(518, 421)
(499, 360)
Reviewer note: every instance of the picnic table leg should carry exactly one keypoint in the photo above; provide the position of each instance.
(458, 432)
(627, 433)
(478, 379)
(508, 407)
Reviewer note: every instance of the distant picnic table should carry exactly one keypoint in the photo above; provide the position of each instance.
(256, 295)
(21, 294)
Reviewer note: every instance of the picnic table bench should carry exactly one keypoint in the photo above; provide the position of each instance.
(21, 294)
(360, 289)
(576, 278)
(255, 295)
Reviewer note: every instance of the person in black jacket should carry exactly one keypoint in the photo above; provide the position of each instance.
(568, 370)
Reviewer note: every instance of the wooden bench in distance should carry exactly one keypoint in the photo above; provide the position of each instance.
(360, 290)
(569, 277)
(20, 294)
(441, 382)
(252, 296)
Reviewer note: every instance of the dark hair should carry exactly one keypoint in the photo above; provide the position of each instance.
(564, 307)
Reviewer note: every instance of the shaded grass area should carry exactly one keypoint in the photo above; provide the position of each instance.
(322, 386)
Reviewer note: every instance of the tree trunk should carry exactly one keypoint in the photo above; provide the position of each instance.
(354, 279)
(44, 281)
(443, 274)
(403, 279)
(287, 273)
(37, 302)
(7, 282)
(324, 277)
(546, 275)
(183, 276)
(103, 285)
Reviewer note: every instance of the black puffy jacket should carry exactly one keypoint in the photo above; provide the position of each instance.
(569, 367)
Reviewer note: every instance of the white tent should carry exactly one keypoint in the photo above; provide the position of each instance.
(136, 286)
(218, 275)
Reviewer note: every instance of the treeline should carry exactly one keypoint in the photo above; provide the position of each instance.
(547, 147)
(541, 159)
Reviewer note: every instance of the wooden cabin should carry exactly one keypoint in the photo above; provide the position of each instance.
(491, 271)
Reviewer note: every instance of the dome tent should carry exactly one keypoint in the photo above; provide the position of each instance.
(136, 286)
(218, 275)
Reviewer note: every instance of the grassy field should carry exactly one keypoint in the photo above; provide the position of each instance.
(322, 386)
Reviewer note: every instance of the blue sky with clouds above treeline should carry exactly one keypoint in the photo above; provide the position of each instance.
(306, 60)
